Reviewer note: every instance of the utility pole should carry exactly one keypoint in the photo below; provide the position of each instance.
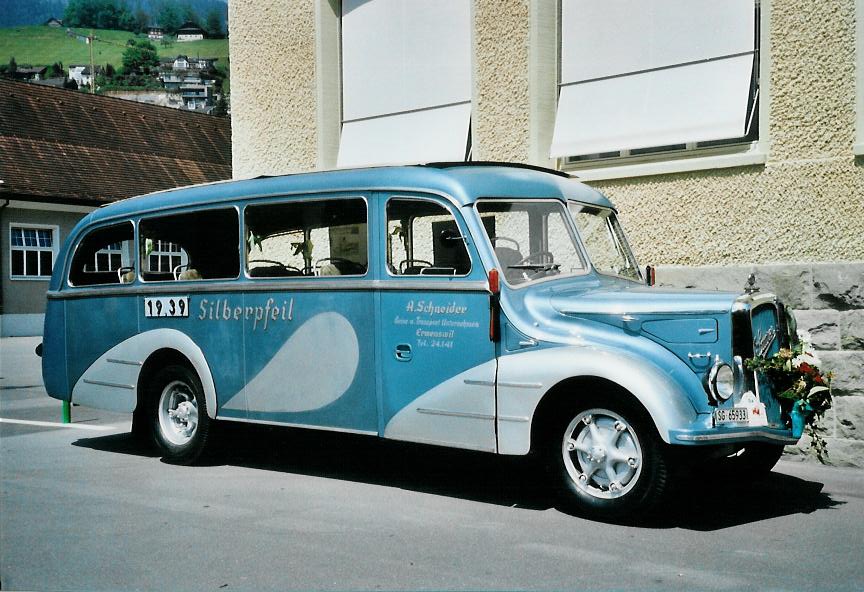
(92, 65)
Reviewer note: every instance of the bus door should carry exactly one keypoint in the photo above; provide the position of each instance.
(308, 337)
(437, 362)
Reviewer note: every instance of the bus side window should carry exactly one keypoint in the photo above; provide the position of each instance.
(315, 237)
(192, 246)
(104, 256)
(424, 239)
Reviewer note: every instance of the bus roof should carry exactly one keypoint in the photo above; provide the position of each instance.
(463, 182)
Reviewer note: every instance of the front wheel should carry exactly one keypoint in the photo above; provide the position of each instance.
(609, 460)
(179, 414)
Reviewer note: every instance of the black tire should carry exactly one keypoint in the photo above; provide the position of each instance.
(178, 414)
(582, 459)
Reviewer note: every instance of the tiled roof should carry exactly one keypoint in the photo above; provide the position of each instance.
(68, 146)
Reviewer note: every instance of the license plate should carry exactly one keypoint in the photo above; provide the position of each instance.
(734, 415)
(166, 306)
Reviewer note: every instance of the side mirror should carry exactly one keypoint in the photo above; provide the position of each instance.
(650, 275)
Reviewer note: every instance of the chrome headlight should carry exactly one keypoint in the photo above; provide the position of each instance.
(721, 380)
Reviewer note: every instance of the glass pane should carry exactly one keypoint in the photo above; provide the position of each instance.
(17, 262)
(31, 263)
(94, 263)
(44, 236)
(423, 238)
(604, 240)
(46, 262)
(30, 237)
(206, 241)
(532, 240)
(17, 237)
(307, 238)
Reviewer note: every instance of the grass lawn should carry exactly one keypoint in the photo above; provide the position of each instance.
(42, 46)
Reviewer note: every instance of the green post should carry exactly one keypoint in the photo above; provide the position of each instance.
(67, 412)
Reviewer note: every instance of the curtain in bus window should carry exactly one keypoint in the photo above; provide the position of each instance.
(644, 73)
(406, 81)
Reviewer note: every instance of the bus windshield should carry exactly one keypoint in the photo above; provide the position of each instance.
(531, 239)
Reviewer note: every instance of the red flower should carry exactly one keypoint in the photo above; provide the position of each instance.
(805, 368)
(817, 379)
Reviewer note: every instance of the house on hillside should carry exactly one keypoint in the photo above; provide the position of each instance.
(28, 73)
(156, 33)
(81, 74)
(53, 22)
(66, 153)
(190, 32)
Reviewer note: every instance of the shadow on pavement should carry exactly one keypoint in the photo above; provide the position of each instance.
(702, 501)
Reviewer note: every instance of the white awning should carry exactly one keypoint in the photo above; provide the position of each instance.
(430, 135)
(406, 70)
(643, 73)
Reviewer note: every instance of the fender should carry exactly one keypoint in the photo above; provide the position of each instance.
(525, 378)
(111, 382)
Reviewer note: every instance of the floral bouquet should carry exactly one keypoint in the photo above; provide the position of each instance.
(803, 389)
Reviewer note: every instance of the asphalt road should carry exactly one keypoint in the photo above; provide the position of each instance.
(89, 508)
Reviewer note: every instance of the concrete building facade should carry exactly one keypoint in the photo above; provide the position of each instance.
(785, 199)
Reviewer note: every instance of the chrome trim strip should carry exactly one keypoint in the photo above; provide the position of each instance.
(297, 425)
(525, 385)
(446, 413)
(736, 436)
(130, 387)
(126, 362)
(513, 418)
(528, 385)
(276, 286)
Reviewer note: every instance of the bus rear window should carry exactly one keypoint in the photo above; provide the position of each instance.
(202, 245)
(104, 256)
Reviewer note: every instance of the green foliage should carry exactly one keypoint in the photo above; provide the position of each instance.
(140, 58)
(99, 14)
(214, 23)
(168, 16)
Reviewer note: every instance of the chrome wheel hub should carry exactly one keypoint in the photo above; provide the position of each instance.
(602, 454)
(178, 413)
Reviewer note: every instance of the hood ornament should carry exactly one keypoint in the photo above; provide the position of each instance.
(751, 286)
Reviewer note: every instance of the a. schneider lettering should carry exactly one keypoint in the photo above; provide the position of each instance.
(221, 309)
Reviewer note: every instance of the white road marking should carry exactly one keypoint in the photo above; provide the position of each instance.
(50, 424)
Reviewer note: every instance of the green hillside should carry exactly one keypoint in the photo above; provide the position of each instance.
(42, 46)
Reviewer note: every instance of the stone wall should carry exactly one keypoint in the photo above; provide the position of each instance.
(828, 300)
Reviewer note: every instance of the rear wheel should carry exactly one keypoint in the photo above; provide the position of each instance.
(608, 459)
(179, 414)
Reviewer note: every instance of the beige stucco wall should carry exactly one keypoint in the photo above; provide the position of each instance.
(805, 204)
(273, 107)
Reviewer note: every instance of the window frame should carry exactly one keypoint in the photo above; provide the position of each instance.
(286, 199)
(139, 257)
(463, 230)
(54, 249)
(572, 229)
(79, 240)
(746, 153)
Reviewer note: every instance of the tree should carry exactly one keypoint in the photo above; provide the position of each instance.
(214, 23)
(169, 16)
(140, 58)
(142, 21)
(13, 66)
(56, 70)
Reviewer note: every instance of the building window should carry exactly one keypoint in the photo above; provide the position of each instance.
(406, 81)
(657, 79)
(165, 256)
(32, 251)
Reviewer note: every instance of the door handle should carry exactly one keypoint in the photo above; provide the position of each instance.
(403, 352)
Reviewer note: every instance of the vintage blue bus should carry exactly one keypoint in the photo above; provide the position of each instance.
(479, 306)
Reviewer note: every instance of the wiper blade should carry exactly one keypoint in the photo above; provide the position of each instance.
(536, 266)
